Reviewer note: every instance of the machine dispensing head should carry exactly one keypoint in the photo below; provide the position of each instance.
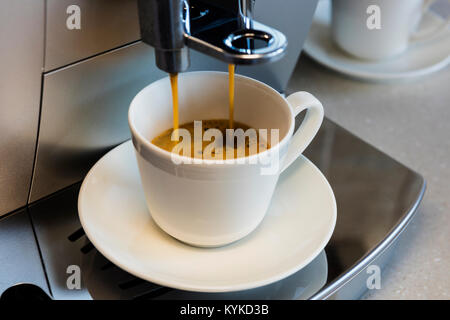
(231, 35)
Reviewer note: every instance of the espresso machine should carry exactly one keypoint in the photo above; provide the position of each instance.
(70, 70)
(72, 67)
(66, 90)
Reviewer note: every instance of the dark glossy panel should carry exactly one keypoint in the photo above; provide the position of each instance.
(373, 192)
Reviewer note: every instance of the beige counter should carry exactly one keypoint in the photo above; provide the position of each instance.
(410, 121)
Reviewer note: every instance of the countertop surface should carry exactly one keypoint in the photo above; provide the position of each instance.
(410, 121)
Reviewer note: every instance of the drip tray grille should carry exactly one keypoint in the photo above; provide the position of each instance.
(64, 245)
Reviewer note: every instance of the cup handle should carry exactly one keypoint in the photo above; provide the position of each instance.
(418, 37)
(300, 101)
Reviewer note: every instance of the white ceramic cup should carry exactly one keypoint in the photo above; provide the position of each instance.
(399, 20)
(210, 203)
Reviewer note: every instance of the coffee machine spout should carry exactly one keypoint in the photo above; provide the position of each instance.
(163, 27)
(227, 33)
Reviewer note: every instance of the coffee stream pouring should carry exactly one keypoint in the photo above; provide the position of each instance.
(220, 28)
(224, 30)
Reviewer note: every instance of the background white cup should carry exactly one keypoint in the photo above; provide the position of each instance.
(212, 204)
(399, 21)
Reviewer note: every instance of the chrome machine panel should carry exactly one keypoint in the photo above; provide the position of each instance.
(293, 18)
(104, 25)
(22, 34)
(19, 253)
(84, 113)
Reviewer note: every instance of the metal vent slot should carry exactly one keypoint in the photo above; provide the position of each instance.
(153, 294)
(107, 266)
(76, 235)
(132, 283)
(87, 248)
(104, 280)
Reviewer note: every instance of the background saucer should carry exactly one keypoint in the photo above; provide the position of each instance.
(418, 60)
(298, 225)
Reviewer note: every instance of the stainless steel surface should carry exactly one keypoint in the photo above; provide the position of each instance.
(220, 34)
(21, 61)
(223, 46)
(105, 25)
(106, 29)
(207, 27)
(293, 18)
(162, 26)
(84, 113)
(19, 256)
(56, 223)
(376, 198)
(172, 61)
(247, 7)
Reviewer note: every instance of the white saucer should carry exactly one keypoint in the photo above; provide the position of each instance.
(298, 225)
(420, 59)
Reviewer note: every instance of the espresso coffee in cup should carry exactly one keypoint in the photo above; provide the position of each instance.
(222, 143)
(229, 139)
